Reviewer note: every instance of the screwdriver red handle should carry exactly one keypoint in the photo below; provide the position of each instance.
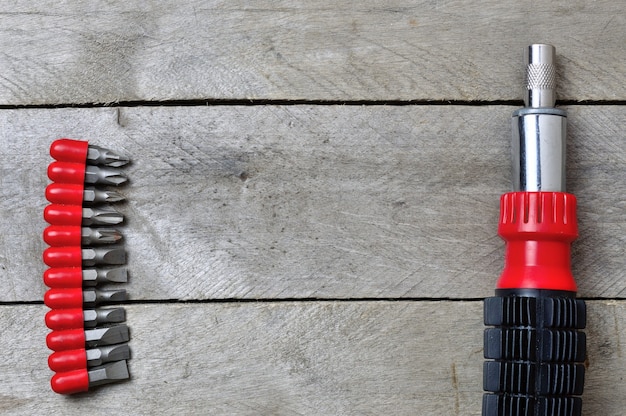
(63, 256)
(70, 382)
(66, 172)
(65, 193)
(68, 150)
(63, 298)
(61, 319)
(69, 339)
(70, 215)
(63, 235)
(70, 277)
(62, 361)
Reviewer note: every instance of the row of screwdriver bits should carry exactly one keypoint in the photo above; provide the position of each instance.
(89, 343)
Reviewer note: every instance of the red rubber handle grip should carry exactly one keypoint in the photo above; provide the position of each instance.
(65, 193)
(55, 214)
(63, 256)
(62, 235)
(63, 277)
(66, 172)
(70, 360)
(63, 298)
(60, 319)
(68, 150)
(70, 382)
(69, 339)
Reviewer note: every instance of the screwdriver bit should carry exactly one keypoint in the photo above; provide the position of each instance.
(76, 257)
(77, 194)
(76, 297)
(62, 361)
(99, 156)
(79, 173)
(73, 318)
(56, 214)
(65, 235)
(81, 380)
(70, 277)
(80, 151)
(74, 339)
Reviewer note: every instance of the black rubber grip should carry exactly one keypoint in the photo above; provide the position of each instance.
(536, 352)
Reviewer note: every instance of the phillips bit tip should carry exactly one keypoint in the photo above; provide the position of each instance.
(101, 216)
(101, 355)
(97, 155)
(104, 176)
(92, 195)
(92, 277)
(99, 256)
(97, 236)
(108, 373)
(107, 336)
(95, 317)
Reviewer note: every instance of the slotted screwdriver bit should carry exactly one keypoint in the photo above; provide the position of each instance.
(74, 339)
(62, 361)
(78, 298)
(88, 257)
(79, 151)
(70, 277)
(81, 380)
(73, 318)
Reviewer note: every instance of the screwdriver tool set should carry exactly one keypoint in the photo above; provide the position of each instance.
(89, 343)
(535, 347)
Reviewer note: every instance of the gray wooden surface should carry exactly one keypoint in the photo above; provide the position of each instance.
(305, 257)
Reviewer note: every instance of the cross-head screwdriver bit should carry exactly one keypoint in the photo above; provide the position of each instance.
(62, 361)
(70, 235)
(56, 214)
(81, 380)
(77, 173)
(73, 318)
(77, 194)
(74, 339)
(71, 277)
(79, 151)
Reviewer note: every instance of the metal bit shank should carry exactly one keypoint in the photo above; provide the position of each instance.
(101, 216)
(106, 336)
(108, 373)
(98, 236)
(93, 297)
(92, 195)
(104, 175)
(97, 155)
(101, 256)
(101, 355)
(95, 317)
(92, 277)
(539, 129)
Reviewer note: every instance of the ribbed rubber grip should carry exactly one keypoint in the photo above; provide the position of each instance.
(536, 353)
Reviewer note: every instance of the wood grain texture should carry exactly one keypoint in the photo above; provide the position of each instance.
(97, 51)
(296, 358)
(279, 202)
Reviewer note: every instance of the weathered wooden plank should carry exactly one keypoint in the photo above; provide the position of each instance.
(312, 201)
(87, 51)
(307, 358)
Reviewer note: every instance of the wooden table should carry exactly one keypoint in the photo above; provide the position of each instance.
(312, 212)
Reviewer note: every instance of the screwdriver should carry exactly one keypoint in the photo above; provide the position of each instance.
(535, 349)
(74, 256)
(65, 235)
(81, 380)
(79, 151)
(71, 277)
